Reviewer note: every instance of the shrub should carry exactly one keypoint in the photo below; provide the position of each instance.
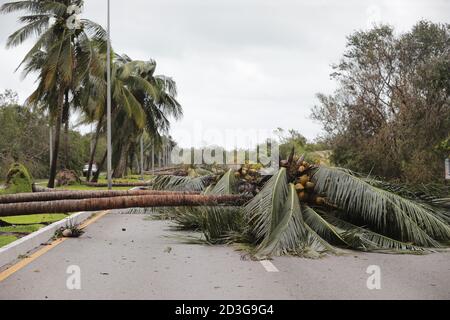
(18, 180)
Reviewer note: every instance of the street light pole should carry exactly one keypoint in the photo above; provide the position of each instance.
(108, 102)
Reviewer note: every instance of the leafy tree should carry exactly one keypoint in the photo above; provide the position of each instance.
(391, 109)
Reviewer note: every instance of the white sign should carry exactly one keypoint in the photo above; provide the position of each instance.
(447, 169)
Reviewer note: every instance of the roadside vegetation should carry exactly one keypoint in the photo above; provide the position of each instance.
(372, 183)
(70, 66)
(16, 227)
(390, 114)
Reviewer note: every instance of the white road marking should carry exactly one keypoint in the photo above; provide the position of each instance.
(269, 266)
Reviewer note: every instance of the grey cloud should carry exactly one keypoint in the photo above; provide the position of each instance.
(239, 63)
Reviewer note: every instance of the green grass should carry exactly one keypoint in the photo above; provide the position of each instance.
(26, 225)
(34, 219)
(5, 240)
(87, 188)
(30, 228)
(127, 179)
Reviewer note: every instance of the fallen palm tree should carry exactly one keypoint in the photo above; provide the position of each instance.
(72, 195)
(309, 210)
(117, 184)
(96, 204)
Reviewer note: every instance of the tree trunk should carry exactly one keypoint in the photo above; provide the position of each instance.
(121, 166)
(66, 195)
(53, 168)
(66, 206)
(100, 167)
(125, 184)
(66, 118)
(94, 148)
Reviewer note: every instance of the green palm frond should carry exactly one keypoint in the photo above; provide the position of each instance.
(317, 246)
(367, 240)
(264, 211)
(33, 28)
(382, 210)
(217, 224)
(175, 183)
(290, 234)
(226, 185)
(321, 226)
(35, 7)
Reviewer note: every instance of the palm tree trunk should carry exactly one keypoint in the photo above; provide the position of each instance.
(100, 167)
(65, 206)
(53, 168)
(66, 118)
(124, 184)
(66, 144)
(94, 148)
(121, 166)
(71, 195)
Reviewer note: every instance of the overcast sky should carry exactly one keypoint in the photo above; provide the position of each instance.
(239, 64)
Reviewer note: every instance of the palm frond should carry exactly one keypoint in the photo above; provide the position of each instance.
(226, 185)
(264, 211)
(36, 27)
(290, 234)
(382, 210)
(363, 239)
(321, 226)
(175, 183)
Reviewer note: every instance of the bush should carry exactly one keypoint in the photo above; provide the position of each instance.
(18, 180)
(67, 178)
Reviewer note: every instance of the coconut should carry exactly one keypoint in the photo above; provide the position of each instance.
(320, 201)
(67, 233)
(302, 196)
(310, 185)
(299, 187)
(304, 180)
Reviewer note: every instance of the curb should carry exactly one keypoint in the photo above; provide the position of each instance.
(23, 246)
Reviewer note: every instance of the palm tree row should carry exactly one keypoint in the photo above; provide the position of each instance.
(71, 69)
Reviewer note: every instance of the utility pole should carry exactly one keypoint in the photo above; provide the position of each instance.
(108, 108)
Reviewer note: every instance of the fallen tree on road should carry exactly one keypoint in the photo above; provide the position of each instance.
(73, 195)
(119, 184)
(97, 204)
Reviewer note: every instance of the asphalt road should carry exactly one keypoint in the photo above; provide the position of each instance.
(124, 256)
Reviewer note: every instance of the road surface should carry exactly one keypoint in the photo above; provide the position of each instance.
(125, 256)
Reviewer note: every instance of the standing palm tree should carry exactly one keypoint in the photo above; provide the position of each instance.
(61, 56)
(141, 102)
(158, 108)
(125, 106)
